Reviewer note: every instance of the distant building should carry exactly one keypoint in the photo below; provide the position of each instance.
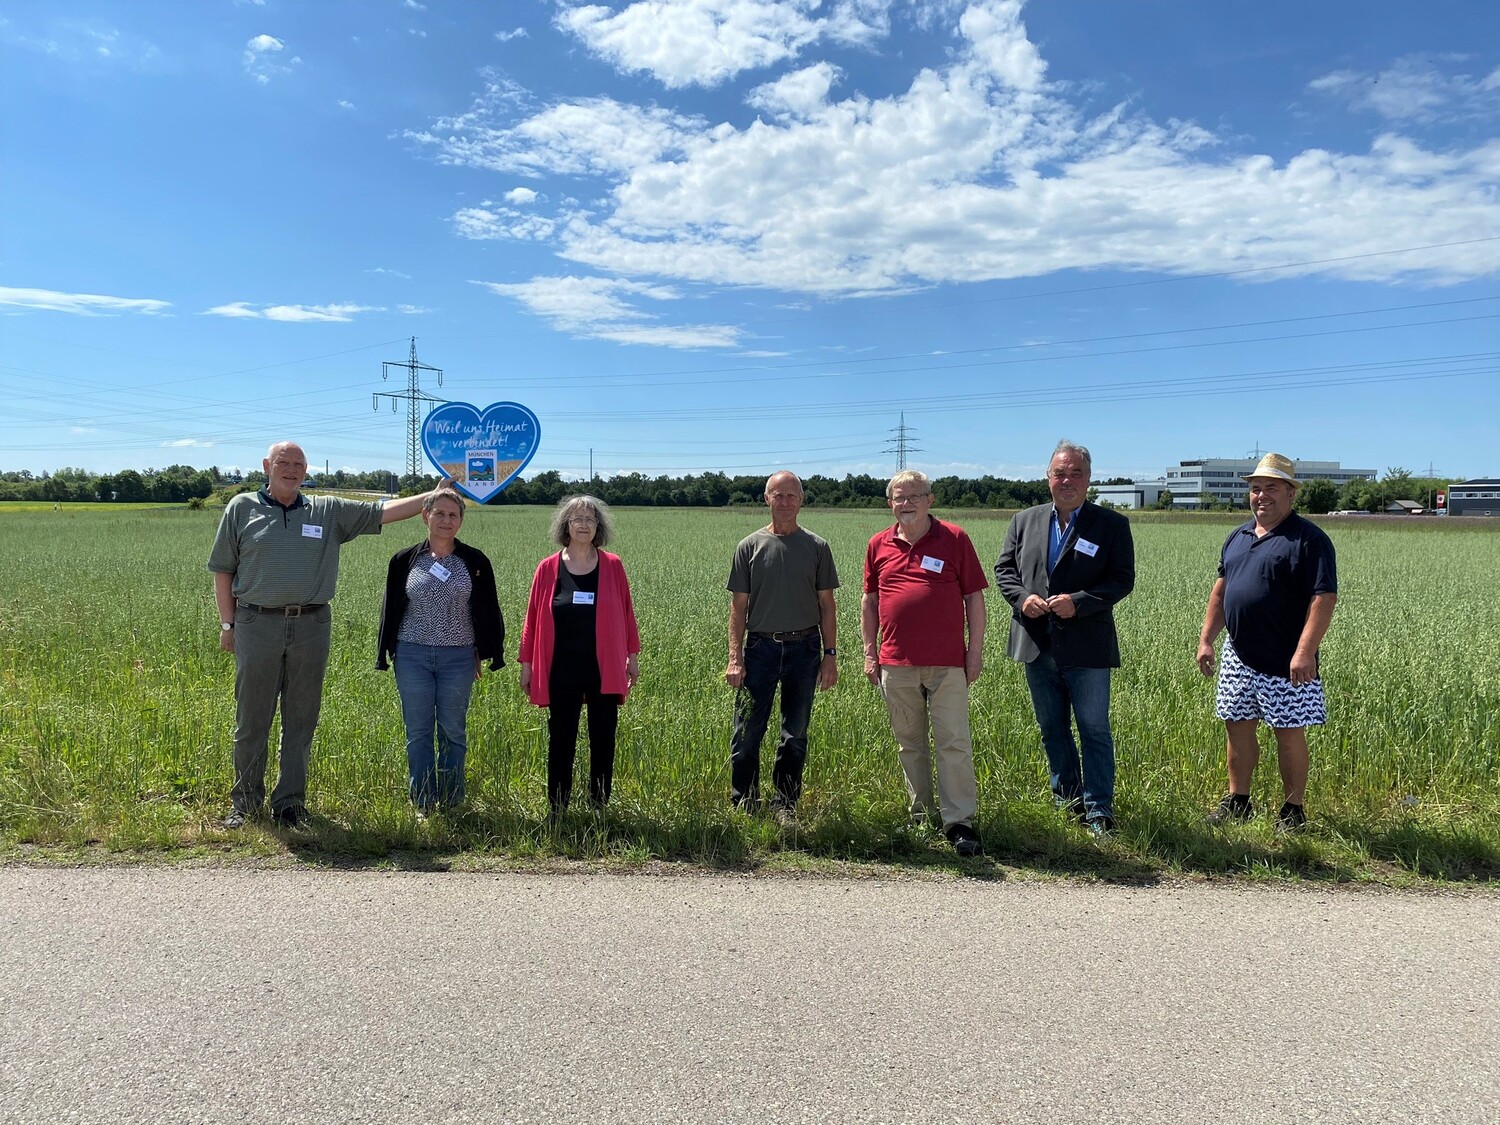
(1138, 494)
(1404, 508)
(1220, 477)
(1474, 498)
(1223, 478)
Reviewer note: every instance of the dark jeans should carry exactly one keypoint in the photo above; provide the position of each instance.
(1060, 695)
(434, 683)
(794, 666)
(569, 688)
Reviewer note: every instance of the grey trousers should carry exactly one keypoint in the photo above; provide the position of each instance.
(275, 658)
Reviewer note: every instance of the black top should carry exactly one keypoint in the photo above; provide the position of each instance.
(1269, 583)
(574, 615)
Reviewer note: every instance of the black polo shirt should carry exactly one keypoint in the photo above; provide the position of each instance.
(1269, 583)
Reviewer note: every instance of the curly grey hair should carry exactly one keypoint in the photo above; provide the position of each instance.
(604, 530)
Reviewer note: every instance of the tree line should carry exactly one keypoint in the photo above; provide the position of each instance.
(178, 484)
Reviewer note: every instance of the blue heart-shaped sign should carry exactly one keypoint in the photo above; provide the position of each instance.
(482, 452)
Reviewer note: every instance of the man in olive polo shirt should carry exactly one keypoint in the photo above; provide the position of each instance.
(275, 563)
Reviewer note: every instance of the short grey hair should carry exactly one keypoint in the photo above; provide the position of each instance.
(1079, 451)
(604, 530)
(430, 501)
(908, 476)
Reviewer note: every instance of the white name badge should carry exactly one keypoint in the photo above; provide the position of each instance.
(440, 572)
(932, 564)
(1089, 549)
(311, 531)
(582, 597)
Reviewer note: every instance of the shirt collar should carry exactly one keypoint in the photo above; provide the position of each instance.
(267, 498)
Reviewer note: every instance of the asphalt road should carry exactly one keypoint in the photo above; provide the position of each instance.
(167, 995)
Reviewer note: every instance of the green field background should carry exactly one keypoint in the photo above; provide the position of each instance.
(116, 704)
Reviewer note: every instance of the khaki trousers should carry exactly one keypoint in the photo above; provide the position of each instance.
(916, 698)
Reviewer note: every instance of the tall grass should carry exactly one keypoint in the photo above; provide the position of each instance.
(116, 706)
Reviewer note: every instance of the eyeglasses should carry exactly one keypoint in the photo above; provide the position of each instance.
(910, 499)
(589, 521)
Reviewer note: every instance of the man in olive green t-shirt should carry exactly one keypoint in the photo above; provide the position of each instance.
(275, 563)
(782, 631)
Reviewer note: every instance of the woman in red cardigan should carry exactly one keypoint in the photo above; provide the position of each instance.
(579, 645)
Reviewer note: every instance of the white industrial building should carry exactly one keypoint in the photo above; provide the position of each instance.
(1220, 477)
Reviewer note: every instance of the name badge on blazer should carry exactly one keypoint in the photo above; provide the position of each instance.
(582, 597)
(1089, 549)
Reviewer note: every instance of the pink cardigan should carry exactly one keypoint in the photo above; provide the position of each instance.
(616, 636)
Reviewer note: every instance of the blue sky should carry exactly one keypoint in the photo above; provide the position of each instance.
(746, 234)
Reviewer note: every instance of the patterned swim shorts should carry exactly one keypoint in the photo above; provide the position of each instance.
(1244, 693)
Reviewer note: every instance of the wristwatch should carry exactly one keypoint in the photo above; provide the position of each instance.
(830, 652)
(226, 626)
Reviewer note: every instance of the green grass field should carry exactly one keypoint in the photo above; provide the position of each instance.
(116, 706)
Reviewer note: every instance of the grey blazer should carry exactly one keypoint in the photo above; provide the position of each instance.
(1096, 582)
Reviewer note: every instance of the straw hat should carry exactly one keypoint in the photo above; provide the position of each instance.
(1276, 466)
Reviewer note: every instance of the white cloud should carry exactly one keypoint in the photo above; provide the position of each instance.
(87, 42)
(600, 308)
(292, 313)
(520, 195)
(979, 169)
(413, 5)
(343, 104)
(260, 59)
(81, 304)
(1414, 89)
(187, 443)
(412, 310)
(392, 273)
(238, 308)
(798, 94)
(513, 33)
(494, 222)
(706, 42)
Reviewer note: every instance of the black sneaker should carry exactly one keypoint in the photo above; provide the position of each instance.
(1291, 818)
(1101, 827)
(235, 819)
(965, 841)
(1234, 806)
(289, 817)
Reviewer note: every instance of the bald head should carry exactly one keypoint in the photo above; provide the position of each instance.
(286, 468)
(784, 498)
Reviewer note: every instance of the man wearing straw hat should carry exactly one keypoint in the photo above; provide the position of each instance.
(1275, 594)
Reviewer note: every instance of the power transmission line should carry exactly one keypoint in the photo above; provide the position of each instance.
(414, 397)
(902, 443)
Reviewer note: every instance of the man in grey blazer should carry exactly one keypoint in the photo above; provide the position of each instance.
(1062, 569)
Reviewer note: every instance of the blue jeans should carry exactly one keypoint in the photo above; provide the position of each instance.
(793, 665)
(434, 682)
(1055, 692)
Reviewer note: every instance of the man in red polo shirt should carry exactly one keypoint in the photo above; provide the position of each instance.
(924, 588)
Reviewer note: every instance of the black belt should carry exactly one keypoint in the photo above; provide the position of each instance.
(283, 610)
(788, 634)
